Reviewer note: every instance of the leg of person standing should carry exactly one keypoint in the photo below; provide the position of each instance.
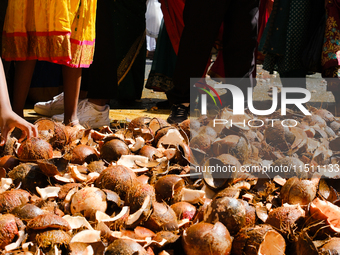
(202, 21)
(101, 78)
(240, 41)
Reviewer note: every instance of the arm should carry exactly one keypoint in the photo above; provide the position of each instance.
(8, 119)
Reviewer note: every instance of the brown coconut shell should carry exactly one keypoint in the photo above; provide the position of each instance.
(235, 145)
(285, 218)
(48, 220)
(326, 212)
(201, 142)
(125, 247)
(83, 153)
(13, 198)
(332, 246)
(277, 135)
(113, 149)
(184, 210)
(8, 162)
(169, 188)
(50, 238)
(119, 179)
(261, 239)
(205, 238)
(291, 164)
(27, 211)
(161, 218)
(229, 211)
(8, 229)
(87, 201)
(35, 148)
(150, 152)
(297, 191)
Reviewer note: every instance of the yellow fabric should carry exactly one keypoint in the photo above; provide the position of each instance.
(59, 31)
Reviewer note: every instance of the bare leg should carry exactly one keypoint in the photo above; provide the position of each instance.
(22, 81)
(72, 79)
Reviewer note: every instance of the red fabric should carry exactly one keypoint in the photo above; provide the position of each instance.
(174, 24)
(173, 20)
(265, 8)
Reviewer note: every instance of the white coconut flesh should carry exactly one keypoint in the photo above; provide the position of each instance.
(76, 222)
(86, 236)
(140, 142)
(273, 244)
(81, 249)
(66, 178)
(192, 196)
(134, 217)
(129, 161)
(16, 245)
(100, 216)
(172, 137)
(70, 194)
(48, 192)
(5, 184)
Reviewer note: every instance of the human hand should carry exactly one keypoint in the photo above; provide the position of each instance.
(11, 120)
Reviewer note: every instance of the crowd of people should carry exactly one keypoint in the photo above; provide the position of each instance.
(101, 46)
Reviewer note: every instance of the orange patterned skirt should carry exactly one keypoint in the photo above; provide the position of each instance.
(58, 31)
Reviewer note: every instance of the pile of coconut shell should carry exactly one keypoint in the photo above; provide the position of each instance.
(144, 188)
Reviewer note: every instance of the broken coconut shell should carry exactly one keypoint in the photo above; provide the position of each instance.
(184, 210)
(297, 191)
(234, 145)
(113, 149)
(8, 229)
(331, 247)
(83, 153)
(327, 212)
(87, 201)
(125, 247)
(161, 218)
(35, 148)
(205, 238)
(48, 220)
(27, 211)
(13, 198)
(8, 162)
(261, 239)
(285, 218)
(169, 188)
(53, 166)
(119, 179)
(229, 211)
(50, 238)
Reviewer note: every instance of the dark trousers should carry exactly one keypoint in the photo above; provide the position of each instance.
(202, 21)
(100, 79)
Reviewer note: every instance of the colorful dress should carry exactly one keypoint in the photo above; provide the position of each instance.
(330, 59)
(58, 31)
(163, 65)
(285, 37)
